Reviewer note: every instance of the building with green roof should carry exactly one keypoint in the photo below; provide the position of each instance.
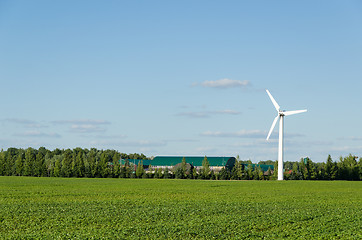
(196, 161)
(216, 163)
(145, 162)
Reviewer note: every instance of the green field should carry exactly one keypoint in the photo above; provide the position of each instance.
(69, 208)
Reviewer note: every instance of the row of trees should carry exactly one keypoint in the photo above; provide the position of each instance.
(347, 168)
(76, 162)
(80, 162)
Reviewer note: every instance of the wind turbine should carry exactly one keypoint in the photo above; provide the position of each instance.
(281, 114)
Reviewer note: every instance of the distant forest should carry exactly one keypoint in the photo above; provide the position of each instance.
(96, 163)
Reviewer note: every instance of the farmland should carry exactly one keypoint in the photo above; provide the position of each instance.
(85, 208)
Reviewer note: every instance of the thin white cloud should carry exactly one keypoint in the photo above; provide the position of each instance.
(207, 114)
(238, 134)
(353, 138)
(203, 150)
(145, 143)
(194, 114)
(116, 136)
(246, 134)
(20, 142)
(86, 128)
(225, 83)
(84, 125)
(184, 140)
(227, 111)
(314, 143)
(19, 120)
(128, 143)
(257, 143)
(346, 149)
(82, 121)
(24, 122)
(38, 134)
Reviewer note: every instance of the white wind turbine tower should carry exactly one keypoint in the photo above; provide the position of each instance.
(280, 116)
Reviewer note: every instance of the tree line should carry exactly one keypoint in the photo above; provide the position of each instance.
(92, 163)
(347, 168)
(76, 162)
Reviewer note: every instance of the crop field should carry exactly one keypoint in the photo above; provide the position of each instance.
(69, 208)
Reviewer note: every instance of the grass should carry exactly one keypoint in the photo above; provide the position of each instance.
(68, 208)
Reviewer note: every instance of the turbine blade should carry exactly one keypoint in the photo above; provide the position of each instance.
(272, 127)
(277, 107)
(288, 113)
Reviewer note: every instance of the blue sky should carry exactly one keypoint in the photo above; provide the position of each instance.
(182, 77)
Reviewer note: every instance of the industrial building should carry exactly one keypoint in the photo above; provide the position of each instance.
(216, 163)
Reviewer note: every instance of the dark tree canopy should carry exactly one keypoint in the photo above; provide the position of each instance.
(92, 162)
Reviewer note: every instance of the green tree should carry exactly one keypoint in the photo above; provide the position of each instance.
(260, 173)
(150, 172)
(212, 175)
(155, 172)
(93, 163)
(19, 164)
(249, 172)
(269, 174)
(39, 165)
(66, 170)
(237, 171)
(29, 162)
(275, 172)
(158, 173)
(303, 169)
(166, 173)
(116, 171)
(10, 156)
(255, 173)
(126, 170)
(140, 170)
(180, 171)
(313, 170)
(87, 169)
(78, 167)
(49, 164)
(57, 166)
(331, 169)
(296, 175)
(205, 170)
(57, 151)
(349, 168)
(360, 168)
(193, 173)
(224, 174)
(2, 163)
(103, 165)
(183, 167)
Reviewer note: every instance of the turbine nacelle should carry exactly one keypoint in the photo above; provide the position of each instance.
(281, 113)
